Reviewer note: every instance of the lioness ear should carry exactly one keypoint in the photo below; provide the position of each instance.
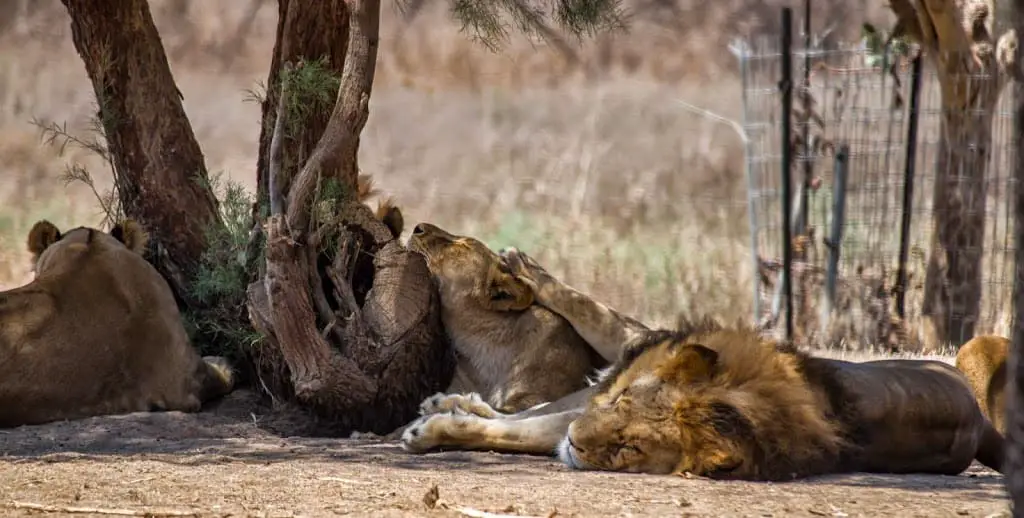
(42, 235)
(131, 233)
(691, 363)
(391, 215)
(506, 292)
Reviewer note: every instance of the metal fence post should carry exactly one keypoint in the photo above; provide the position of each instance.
(786, 89)
(909, 165)
(838, 218)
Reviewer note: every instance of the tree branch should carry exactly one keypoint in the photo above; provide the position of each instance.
(276, 167)
(335, 154)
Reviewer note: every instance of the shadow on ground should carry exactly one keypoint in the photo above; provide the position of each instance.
(233, 431)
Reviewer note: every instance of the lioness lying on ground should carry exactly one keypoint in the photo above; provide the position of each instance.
(729, 403)
(512, 354)
(97, 332)
(983, 361)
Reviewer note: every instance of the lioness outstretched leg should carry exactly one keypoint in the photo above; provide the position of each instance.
(537, 430)
(605, 329)
(538, 435)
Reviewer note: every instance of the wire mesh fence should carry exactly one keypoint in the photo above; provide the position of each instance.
(857, 223)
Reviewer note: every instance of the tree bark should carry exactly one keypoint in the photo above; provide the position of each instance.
(1015, 368)
(972, 67)
(160, 173)
(351, 319)
(952, 297)
(304, 33)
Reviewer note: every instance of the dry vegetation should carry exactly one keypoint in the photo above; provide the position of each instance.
(580, 156)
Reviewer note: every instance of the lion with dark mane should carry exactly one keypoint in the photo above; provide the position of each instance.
(97, 332)
(729, 403)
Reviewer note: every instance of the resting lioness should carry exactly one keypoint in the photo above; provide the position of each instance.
(512, 353)
(983, 360)
(730, 403)
(97, 332)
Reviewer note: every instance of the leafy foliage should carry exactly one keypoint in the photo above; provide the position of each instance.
(874, 42)
(219, 324)
(312, 88)
(489, 21)
(54, 134)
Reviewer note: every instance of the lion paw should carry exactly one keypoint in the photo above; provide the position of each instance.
(471, 404)
(425, 433)
(523, 266)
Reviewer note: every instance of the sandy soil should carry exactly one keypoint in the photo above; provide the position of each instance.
(225, 462)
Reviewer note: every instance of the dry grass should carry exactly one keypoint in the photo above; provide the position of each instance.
(601, 176)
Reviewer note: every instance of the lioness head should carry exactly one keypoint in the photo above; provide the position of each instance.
(465, 267)
(49, 246)
(712, 402)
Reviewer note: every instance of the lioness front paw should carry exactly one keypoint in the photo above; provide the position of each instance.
(470, 403)
(524, 267)
(425, 433)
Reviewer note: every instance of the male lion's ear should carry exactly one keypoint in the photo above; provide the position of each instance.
(131, 233)
(506, 292)
(690, 363)
(42, 235)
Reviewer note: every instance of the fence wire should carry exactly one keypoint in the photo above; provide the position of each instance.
(856, 103)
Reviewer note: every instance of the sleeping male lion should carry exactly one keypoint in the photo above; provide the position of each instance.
(512, 354)
(983, 360)
(729, 403)
(97, 332)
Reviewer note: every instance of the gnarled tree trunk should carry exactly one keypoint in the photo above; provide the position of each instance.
(351, 319)
(1015, 387)
(972, 67)
(161, 177)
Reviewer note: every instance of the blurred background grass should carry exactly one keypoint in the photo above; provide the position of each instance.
(578, 154)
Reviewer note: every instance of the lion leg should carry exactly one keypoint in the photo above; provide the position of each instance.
(537, 435)
(605, 329)
(992, 448)
(470, 404)
(216, 378)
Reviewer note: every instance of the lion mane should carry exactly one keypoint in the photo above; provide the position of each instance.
(728, 403)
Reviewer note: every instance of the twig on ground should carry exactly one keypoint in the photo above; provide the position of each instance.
(98, 510)
(476, 513)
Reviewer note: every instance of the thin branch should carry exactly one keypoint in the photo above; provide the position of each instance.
(276, 169)
(98, 510)
(336, 150)
(736, 126)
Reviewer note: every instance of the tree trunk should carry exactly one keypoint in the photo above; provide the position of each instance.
(304, 34)
(1015, 387)
(952, 297)
(160, 174)
(972, 67)
(351, 319)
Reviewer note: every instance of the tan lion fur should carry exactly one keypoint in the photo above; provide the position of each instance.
(983, 360)
(726, 402)
(512, 353)
(97, 332)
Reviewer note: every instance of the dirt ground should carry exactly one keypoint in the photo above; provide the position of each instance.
(225, 462)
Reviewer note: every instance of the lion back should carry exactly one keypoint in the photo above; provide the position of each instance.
(111, 332)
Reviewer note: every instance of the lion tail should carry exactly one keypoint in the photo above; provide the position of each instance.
(216, 378)
(991, 450)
